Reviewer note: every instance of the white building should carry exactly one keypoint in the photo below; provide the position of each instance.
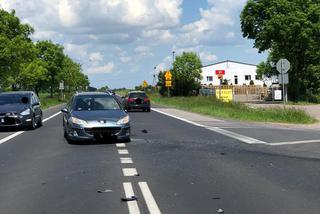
(236, 73)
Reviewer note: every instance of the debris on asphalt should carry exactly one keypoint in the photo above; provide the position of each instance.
(104, 191)
(220, 211)
(222, 153)
(132, 198)
(137, 174)
(216, 198)
(144, 131)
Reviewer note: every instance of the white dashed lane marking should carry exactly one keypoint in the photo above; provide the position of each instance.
(127, 172)
(121, 145)
(132, 205)
(126, 160)
(123, 152)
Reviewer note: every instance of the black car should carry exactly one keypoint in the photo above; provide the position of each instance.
(95, 116)
(20, 109)
(137, 100)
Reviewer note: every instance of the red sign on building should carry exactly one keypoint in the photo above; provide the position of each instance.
(220, 72)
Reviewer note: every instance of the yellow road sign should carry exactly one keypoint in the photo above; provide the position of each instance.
(145, 84)
(168, 84)
(225, 95)
(168, 76)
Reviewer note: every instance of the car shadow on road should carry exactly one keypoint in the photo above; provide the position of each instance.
(102, 141)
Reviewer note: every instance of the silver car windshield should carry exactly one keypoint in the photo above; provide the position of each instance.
(95, 103)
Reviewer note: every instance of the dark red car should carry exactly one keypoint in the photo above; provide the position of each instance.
(137, 100)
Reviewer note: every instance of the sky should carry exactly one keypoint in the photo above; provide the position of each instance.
(120, 42)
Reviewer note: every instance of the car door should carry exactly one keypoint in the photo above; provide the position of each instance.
(35, 106)
(67, 115)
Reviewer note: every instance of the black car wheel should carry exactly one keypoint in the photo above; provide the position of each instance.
(40, 122)
(33, 123)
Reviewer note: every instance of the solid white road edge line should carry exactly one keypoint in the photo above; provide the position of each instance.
(148, 197)
(10, 137)
(128, 172)
(294, 142)
(52, 116)
(20, 132)
(237, 136)
(132, 205)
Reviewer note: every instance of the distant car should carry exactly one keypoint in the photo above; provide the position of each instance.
(20, 109)
(137, 100)
(94, 116)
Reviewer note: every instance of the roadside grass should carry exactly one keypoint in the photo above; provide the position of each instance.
(47, 101)
(301, 103)
(122, 92)
(213, 107)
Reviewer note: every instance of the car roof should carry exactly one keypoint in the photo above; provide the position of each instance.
(18, 92)
(137, 92)
(92, 93)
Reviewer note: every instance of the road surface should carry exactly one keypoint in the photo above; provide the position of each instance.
(176, 163)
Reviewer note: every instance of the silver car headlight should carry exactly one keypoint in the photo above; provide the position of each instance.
(26, 112)
(124, 120)
(78, 121)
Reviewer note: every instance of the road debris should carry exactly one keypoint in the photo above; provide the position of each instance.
(216, 198)
(104, 191)
(144, 131)
(220, 211)
(132, 198)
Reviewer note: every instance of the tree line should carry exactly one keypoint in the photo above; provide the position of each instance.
(37, 66)
(186, 75)
(287, 29)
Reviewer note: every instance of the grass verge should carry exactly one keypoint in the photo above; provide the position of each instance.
(211, 106)
(47, 101)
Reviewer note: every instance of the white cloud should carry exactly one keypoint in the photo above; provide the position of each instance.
(158, 35)
(103, 69)
(96, 57)
(111, 21)
(216, 25)
(143, 50)
(76, 50)
(207, 57)
(125, 59)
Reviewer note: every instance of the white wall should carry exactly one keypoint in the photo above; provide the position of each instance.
(231, 69)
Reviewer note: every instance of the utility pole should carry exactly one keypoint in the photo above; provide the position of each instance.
(173, 59)
(154, 82)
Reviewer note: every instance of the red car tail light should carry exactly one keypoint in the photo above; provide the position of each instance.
(130, 100)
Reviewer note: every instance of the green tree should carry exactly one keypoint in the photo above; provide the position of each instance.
(71, 74)
(161, 83)
(186, 74)
(53, 57)
(16, 48)
(289, 29)
(33, 76)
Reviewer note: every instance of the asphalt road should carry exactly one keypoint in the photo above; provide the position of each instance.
(177, 167)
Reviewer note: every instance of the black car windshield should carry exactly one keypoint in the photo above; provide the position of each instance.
(137, 95)
(95, 103)
(11, 99)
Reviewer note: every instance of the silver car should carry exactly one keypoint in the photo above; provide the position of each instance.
(95, 116)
